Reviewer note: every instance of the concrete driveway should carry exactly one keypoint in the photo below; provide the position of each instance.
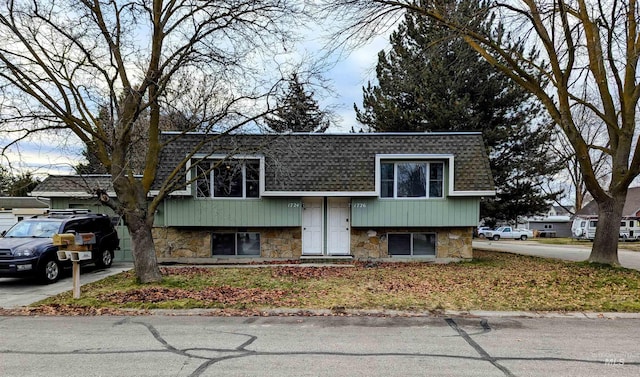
(16, 292)
(628, 259)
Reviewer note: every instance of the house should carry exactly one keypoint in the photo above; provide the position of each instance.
(313, 195)
(555, 223)
(586, 219)
(14, 209)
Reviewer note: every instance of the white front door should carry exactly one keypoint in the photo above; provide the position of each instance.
(312, 226)
(338, 226)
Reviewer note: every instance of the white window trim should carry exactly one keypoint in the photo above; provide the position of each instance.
(449, 165)
(222, 157)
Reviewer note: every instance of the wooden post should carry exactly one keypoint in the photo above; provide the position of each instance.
(76, 279)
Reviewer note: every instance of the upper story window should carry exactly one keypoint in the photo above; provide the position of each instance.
(228, 179)
(409, 179)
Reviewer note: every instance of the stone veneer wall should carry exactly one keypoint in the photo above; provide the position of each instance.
(451, 242)
(195, 243)
(287, 242)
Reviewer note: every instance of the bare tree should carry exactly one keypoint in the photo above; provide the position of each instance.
(592, 44)
(594, 133)
(63, 61)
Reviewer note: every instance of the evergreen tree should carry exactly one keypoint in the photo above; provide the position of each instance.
(18, 185)
(297, 111)
(432, 80)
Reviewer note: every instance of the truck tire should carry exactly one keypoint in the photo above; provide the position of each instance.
(496, 237)
(523, 237)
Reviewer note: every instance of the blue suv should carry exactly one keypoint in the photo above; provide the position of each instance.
(27, 248)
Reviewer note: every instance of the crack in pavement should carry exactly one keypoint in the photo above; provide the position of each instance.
(484, 354)
(241, 350)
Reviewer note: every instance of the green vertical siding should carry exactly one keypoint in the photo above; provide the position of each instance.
(231, 212)
(452, 211)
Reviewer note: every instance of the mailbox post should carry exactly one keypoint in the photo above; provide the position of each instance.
(76, 247)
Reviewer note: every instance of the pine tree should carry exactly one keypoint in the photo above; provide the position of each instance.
(432, 80)
(297, 111)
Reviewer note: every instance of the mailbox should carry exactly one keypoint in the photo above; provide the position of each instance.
(64, 240)
(75, 247)
(85, 239)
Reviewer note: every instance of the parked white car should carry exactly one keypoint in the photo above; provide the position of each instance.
(508, 232)
(482, 231)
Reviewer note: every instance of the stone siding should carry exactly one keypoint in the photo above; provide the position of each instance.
(450, 243)
(195, 243)
(287, 242)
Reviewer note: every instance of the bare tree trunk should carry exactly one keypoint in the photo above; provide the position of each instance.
(143, 248)
(133, 206)
(605, 245)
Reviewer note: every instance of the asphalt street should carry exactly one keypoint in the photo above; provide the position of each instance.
(196, 346)
(628, 259)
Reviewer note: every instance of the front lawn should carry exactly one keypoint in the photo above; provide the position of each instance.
(492, 281)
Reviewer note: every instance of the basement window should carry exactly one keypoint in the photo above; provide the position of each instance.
(412, 244)
(235, 244)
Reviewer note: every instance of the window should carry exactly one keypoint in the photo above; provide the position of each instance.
(412, 244)
(228, 179)
(238, 243)
(412, 180)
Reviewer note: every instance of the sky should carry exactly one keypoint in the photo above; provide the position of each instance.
(50, 154)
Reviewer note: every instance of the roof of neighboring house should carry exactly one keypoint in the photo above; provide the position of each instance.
(72, 186)
(631, 205)
(339, 162)
(11, 202)
(563, 210)
(312, 162)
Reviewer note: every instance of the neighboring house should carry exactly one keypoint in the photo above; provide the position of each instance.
(315, 196)
(14, 209)
(555, 223)
(631, 206)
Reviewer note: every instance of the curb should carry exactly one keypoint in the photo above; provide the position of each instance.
(390, 313)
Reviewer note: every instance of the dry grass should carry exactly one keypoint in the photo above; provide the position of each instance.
(493, 281)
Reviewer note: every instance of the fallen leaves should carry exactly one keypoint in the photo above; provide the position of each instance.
(493, 281)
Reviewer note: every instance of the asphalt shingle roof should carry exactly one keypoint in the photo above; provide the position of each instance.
(73, 185)
(310, 162)
(344, 162)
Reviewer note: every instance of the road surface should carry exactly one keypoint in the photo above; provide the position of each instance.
(628, 259)
(194, 346)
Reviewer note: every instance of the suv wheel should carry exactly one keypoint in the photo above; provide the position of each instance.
(50, 271)
(106, 259)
